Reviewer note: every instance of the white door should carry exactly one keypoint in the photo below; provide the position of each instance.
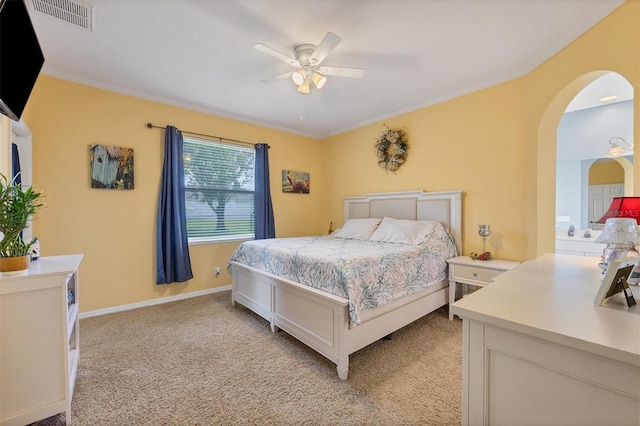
(600, 197)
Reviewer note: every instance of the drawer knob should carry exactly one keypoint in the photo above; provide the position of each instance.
(475, 274)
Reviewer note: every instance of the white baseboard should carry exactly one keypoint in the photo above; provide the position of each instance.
(168, 299)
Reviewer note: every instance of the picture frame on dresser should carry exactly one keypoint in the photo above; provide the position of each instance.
(615, 281)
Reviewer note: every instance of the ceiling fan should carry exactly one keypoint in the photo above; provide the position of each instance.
(307, 58)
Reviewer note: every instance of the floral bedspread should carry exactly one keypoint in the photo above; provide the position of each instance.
(367, 273)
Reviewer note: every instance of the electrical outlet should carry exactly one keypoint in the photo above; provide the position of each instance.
(217, 270)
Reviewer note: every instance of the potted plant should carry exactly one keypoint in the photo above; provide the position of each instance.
(17, 205)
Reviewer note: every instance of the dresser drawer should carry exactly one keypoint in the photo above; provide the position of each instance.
(473, 273)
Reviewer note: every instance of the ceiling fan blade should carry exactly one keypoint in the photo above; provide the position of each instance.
(277, 78)
(269, 51)
(328, 43)
(342, 72)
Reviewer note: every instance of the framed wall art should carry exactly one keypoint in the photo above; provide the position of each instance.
(111, 167)
(296, 182)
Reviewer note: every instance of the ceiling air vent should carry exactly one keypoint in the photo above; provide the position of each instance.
(74, 12)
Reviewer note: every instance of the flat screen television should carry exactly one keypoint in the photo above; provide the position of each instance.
(21, 58)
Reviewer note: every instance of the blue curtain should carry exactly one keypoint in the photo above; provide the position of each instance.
(15, 164)
(172, 246)
(264, 223)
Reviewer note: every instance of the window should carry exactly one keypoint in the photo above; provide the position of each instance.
(219, 192)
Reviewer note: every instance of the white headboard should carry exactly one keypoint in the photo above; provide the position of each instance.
(445, 207)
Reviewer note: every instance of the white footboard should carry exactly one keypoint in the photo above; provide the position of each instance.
(319, 319)
(253, 290)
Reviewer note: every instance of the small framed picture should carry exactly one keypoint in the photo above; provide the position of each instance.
(615, 280)
(111, 167)
(296, 182)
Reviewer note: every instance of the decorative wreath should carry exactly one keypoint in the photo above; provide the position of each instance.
(391, 149)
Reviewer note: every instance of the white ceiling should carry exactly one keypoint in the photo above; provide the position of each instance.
(199, 54)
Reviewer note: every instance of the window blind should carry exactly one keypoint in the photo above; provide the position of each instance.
(219, 190)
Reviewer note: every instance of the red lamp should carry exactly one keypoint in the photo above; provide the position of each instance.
(620, 232)
(624, 207)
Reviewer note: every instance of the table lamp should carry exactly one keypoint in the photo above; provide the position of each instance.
(484, 231)
(620, 232)
(627, 207)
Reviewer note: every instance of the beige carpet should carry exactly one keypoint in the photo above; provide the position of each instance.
(201, 361)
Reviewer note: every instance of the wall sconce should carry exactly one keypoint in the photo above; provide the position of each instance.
(617, 150)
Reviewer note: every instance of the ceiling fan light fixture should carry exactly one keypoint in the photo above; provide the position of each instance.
(304, 87)
(318, 80)
(308, 59)
(608, 98)
(299, 77)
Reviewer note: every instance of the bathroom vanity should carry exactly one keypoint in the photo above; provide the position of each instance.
(579, 244)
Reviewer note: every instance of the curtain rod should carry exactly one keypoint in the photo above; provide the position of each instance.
(220, 139)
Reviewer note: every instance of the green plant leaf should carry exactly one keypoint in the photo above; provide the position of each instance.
(17, 205)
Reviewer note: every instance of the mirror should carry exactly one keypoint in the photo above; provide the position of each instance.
(586, 177)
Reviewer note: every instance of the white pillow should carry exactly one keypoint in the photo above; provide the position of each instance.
(403, 231)
(357, 229)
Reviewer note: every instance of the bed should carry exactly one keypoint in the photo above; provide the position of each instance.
(337, 325)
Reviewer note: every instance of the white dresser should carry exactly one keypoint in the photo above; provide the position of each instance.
(536, 350)
(39, 340)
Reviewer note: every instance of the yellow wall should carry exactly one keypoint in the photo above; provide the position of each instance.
(605, 173)
(474, 143)
(497, 145)
(115, 229)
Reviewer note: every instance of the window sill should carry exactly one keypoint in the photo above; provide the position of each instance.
(203, 241)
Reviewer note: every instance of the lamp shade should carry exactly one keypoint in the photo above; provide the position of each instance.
(318, 80)
(617, 149)
(298, 77)
(304, 87)
(623, 207)
(619, 231)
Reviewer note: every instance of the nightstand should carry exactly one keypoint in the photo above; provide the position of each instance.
(464, 270)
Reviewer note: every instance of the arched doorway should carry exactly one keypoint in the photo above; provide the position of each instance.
(591, 121)
(543, 225)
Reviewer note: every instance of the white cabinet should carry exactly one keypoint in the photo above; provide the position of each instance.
(579, 246)
(39, 340)
(536, 350)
